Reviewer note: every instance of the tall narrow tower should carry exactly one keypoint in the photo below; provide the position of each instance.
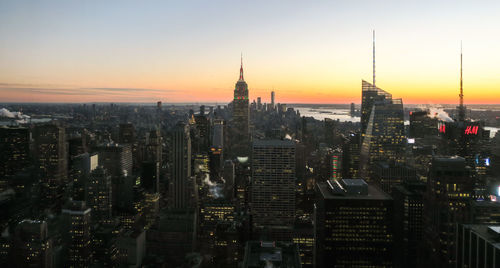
(461, 108)
(374, 58)
(240, 123)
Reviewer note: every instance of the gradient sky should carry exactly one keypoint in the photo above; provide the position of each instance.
(189, 51)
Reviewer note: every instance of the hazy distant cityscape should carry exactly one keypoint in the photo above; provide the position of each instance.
(115, 150)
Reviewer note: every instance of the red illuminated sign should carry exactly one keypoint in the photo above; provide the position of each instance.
(469, 130)
(442, 129)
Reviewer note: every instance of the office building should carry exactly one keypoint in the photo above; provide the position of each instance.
(386, 175)
(99, 196)
(271, 254)
(127, 133)
(350, 156)
(369, 95)
(353, 225)
(116, 158)
(423, 124)
(32, 246)
(151, 167)
(478, 246)
(408, 221)
(449, 190)
(51, 158)
(384, 138)
(180, 167)
(15, 148)
(77, 234)
(273, 188)
(335, 164)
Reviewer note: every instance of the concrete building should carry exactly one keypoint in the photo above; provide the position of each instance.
(273, 189)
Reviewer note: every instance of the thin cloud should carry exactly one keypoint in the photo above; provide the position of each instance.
(68, 90)
(129, 89)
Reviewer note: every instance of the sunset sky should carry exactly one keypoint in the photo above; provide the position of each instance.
(189, 51)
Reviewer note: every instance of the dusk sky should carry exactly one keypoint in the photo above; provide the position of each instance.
(189, 51)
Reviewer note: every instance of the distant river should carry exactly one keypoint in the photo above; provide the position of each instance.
(343, 115)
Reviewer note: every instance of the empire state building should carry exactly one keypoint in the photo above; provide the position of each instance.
(240, 138)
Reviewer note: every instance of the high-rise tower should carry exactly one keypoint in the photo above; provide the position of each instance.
(369, 95)
(272, 191)
(272, 98)
(180, 163)
(240, 142)
(51, 155)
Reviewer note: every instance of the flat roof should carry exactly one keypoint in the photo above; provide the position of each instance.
(374, 193)
(282, 143)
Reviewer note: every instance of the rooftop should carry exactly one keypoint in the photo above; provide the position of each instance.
(281, 143)
(271, 254)
(351, 189)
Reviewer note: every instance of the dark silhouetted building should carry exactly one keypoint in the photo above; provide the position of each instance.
(180, 167)
(353, 225)
(77, 234)
(51, 158)
(389, 174)
(271, 254)
(478, 246)
(449, 189)
(116, 158)
(99, 195)
(15, 148)
(408, 221)
(32, 246)
(127, 133)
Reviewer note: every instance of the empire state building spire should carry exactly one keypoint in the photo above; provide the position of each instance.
(241, 69)
(461, 108)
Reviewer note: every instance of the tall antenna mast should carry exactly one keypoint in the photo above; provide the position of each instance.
(373, 57)
(241, 68)
(461, 112)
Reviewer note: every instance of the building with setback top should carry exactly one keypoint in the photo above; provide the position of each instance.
(240, 122)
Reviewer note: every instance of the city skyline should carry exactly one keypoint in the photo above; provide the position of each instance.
(173, 52)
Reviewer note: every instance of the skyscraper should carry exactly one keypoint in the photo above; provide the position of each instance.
(32, 246)
(273, 188)
(99, 195)
(51, 157)
(353, 225)
(369, 95)
(180, 166)
(151, 168)
(116, 158)
(127, 133)
(477, 245)
(408, 221)
(384, 138)
(449, 189)
(78, 237)
(202, 124)
(15, 148)
(216, 152)
(240, 123)
(272, 99)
